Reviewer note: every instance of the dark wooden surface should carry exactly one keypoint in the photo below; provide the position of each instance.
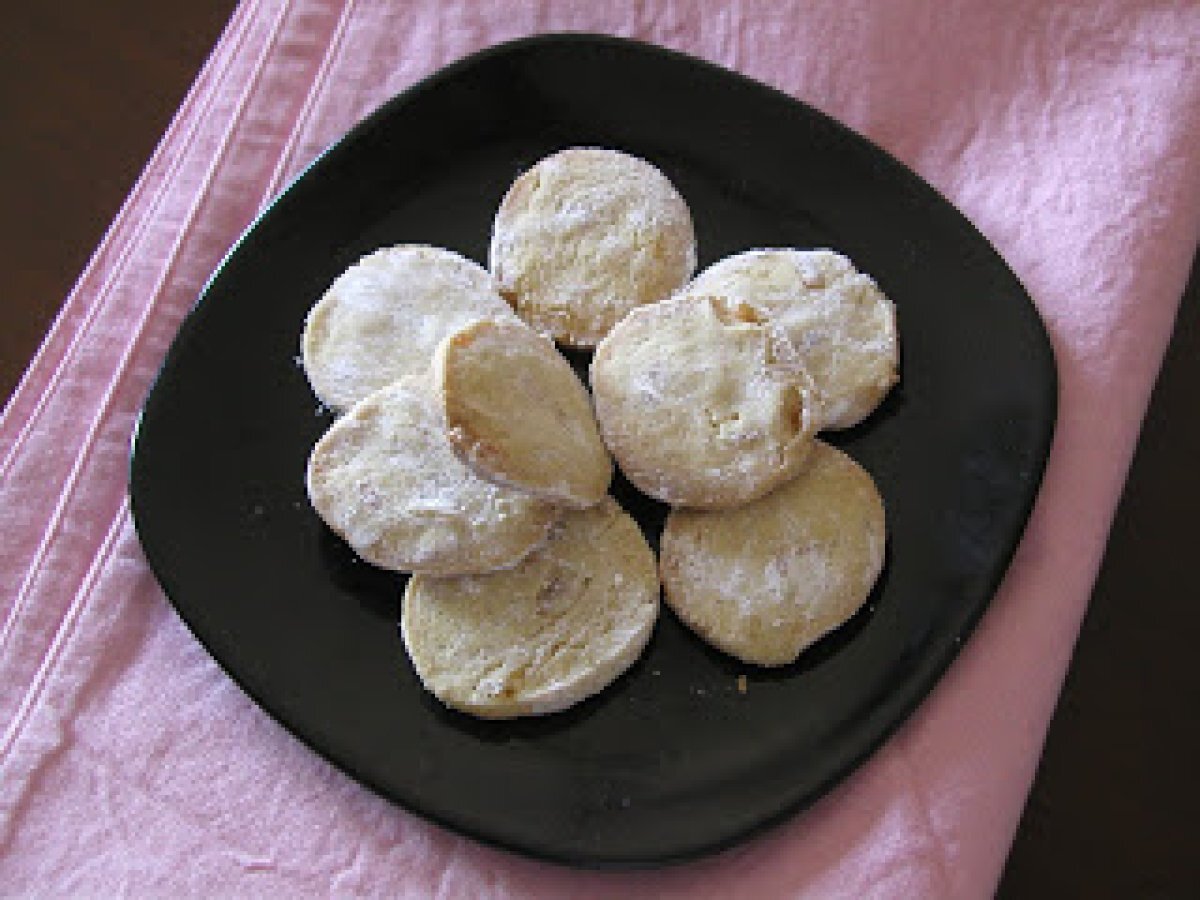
(1115, 807)
(86, 90)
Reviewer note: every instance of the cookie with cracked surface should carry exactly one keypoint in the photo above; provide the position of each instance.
(384, 478)
(764, 581)
(517, 414)
(586, 235)
(702, 401)
(559, 627)
(837, 318)
(382, 318)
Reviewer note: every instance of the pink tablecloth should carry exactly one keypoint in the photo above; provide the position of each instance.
(129, 763)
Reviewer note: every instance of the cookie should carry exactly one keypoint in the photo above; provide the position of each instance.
(764, 581)
(381, 320)
(516, 413)
(535, 639)
(586, 235)
(385, 479)
(840, 322)
(702, 402)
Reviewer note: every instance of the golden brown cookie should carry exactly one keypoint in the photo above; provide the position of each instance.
(384, 478)
(535, 639)
(839, 321)
(586, 235)
(381, 319)
(764, 581)
(702, 401)
(517, 414)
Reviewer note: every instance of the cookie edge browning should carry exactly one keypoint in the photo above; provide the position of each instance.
(559, 698)
(863, 411)
(483, 458)
(492, 561)
(673, 585)
(729, 492)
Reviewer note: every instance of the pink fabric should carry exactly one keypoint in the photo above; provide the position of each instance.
(130, 764)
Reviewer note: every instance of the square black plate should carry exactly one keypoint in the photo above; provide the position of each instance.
(672, 760)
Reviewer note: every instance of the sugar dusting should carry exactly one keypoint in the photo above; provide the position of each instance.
(381, 320)
(601, 233)
(393, 487)
(837, 318)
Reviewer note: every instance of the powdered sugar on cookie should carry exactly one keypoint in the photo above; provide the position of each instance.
(586, 235)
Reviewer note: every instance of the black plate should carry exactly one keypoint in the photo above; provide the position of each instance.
(672, 760)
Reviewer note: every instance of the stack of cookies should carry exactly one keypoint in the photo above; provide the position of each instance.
(469, 454)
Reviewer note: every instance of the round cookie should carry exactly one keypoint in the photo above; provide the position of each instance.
(535, 639)
(381, 319)
(516, 413)
(702, 402)
(384, 478)
(839, 321)
(764, 581)
(586, 235)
